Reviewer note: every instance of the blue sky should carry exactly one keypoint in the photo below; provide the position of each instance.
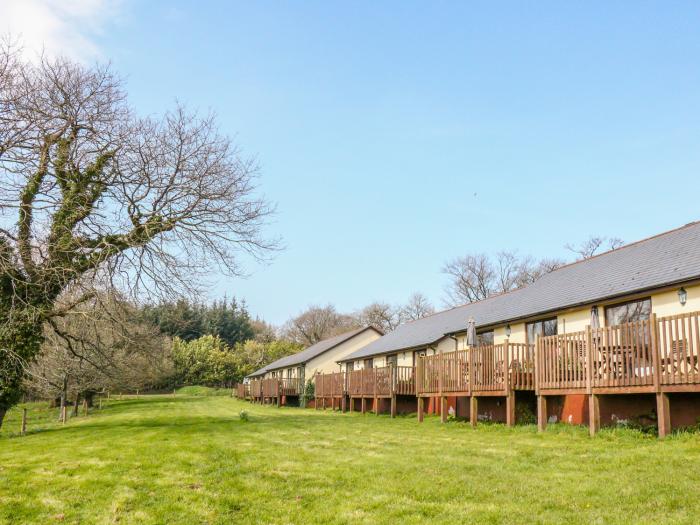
(393, 136)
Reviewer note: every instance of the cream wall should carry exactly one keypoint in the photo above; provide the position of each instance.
(666, 303)
(328, 361)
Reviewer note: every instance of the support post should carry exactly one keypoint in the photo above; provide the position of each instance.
(376, 406)
(343, 404)
(593, 414)
(85, 406)
(421, 409)
(510, 409)
(443, 409)
(393, 405)
(473, 410)
(363, 405)
(279, 400)
(324, 403)
(23, 428)
(663, 413)
(541, 413)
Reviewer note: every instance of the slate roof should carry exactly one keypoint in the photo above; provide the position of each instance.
(313, 351)
(665, 259)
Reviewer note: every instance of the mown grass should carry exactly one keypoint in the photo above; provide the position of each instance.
(192, 459)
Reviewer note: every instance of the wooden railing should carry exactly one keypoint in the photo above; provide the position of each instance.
(521, 366)
(561, 361)
(240, 391)
(622, 355)
(256, 388)
(330, 385)
(404, 380)
(644, 354)
(270, 387)
(486, 368)
(679, 345)
(290, 386)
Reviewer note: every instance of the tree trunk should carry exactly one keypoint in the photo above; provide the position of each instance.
(64, 398)
(75, 405)
(3, 411)
(89, 398)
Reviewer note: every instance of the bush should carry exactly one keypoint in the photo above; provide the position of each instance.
(243, 415)
(308, 393)
(204, 361)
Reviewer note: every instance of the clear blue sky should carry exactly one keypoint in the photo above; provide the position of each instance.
(396, 135)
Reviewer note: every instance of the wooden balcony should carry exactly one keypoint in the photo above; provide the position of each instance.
(387, 381)
(290, 386)
(482, 370)
(655, 355)
(256, 388)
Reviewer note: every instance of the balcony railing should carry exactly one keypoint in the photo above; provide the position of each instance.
(330, 385)
(642, 355)
(486, 368)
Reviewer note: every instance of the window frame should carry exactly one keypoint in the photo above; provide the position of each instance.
(609, 307)
(542, 321)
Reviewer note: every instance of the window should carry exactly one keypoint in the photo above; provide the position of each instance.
(545, 327)
(369, 363)
(628, 312)
(349, 367)
(289, 373)
(391, 360)
(484, 338)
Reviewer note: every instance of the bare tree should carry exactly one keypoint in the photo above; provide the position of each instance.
(594, 245)
(471, 278)
(417, 307)
(381, 316)
(316, 324)
(92, 195)
(476, 277)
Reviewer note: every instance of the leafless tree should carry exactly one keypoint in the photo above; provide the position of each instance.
(94, 196)
(594, 245)
(471, 278)
(111, 350)
(317, 323)
(417, 307)
(380, 315)
(476, 277)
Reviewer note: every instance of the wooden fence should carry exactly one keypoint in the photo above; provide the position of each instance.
(642, 355)
(485, 368)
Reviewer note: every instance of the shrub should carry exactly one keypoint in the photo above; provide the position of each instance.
(243, 415)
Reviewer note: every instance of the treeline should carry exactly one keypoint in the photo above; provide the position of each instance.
(110, 344)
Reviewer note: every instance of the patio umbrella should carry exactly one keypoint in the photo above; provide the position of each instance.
(471, 332)
(595, 320)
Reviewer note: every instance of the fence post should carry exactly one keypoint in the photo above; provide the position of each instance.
(655, 352)
(589, 361)
(510, 393)
(23, 428)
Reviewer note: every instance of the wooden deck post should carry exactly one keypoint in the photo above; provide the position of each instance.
(510, 409)
(343, 404)
(443, 409)
(351, 400)
(363, 405)
(421, 408)
(541, 413)
(593, 414)
(393, 405)
(279, 400)
(663, 413)
(473, 410)
(23, 428)
(324, 403)
(655, 353)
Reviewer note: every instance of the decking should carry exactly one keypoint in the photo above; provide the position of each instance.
(655, 356)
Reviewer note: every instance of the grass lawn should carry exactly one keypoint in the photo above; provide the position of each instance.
(191, 459)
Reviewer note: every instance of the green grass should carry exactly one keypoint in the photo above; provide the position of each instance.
(191, 459)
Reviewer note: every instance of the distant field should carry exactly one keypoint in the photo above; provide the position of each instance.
(191, 459)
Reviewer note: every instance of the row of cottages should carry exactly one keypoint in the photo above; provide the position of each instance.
(612, 338)
(283, 381)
